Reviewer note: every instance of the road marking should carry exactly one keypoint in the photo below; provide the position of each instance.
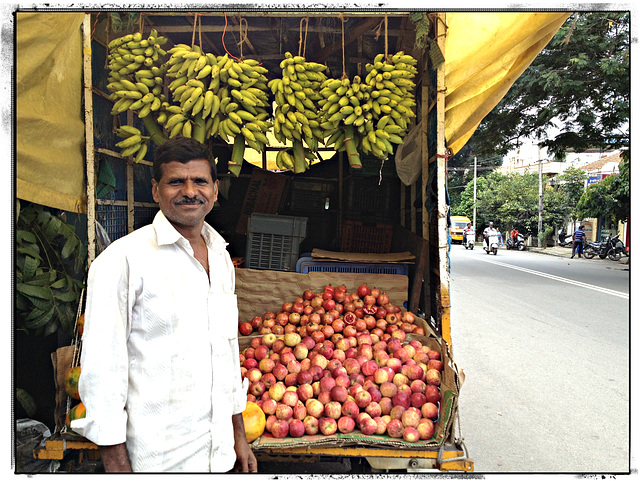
(560, 279)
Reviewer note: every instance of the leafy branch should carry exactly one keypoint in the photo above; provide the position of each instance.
(50, 258)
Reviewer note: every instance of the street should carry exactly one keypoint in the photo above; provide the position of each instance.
(544, 342)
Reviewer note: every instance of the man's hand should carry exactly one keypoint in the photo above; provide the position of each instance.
(115, 458)
(246, 461)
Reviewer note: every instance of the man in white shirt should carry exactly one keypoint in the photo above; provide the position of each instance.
(488, 231)
(160, 362)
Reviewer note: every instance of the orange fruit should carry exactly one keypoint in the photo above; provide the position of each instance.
(71, 379)
(254, 421)
(76, 412)
(80, 325)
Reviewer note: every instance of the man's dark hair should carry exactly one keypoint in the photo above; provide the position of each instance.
(181, 149)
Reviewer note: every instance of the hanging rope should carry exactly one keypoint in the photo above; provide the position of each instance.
(303, 50)
(224, 32)
(195, 26)
(199, 17)
(344, 65)
(243, 34)
(386, 36)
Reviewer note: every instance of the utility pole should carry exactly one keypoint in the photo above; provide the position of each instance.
(475, 176)
(539, 198)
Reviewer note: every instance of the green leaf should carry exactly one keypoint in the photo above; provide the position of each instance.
(69, 246)
(25, 236)
(50, 328)
(41, 320)
(35, 313)
(30, 268)
(30, 250)
(38, 303)
(52, 228)
(59, 284)
(26, 401)
(65, 296)
(35, 291)
(22, 302)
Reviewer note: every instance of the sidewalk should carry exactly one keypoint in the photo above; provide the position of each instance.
(566, 252)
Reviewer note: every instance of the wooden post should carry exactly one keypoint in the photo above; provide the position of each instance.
(425, 261)
(443, 208)
(88, 134)
(130, 184)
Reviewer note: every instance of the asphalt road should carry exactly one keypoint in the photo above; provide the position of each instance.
(544, 342)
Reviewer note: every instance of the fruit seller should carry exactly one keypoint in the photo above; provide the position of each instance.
(161, 375)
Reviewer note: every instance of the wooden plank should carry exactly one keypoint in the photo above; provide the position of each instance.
(442, 153)
(89, 144)
(350, 35)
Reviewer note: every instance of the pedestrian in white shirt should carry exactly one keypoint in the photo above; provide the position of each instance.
(160, 362)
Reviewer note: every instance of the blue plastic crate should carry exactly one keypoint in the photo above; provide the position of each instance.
(308, 264)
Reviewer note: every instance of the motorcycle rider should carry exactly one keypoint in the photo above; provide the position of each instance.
(465, 232)
(514, 236)
(578, 240)
(488, 231)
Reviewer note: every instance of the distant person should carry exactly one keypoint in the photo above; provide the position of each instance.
(488, 231)
(578, 242)
(500, 237)
(466, 231)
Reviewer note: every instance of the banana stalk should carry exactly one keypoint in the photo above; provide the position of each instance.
(352, 147)
(299, 160)
(237, 155)
(154, 130)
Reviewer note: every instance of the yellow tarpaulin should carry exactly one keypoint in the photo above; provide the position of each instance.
(485, 52)
(49, 119)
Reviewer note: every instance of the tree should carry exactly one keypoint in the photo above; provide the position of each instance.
(608, 198)
(512, 201)
(579, 83)
(571, 186)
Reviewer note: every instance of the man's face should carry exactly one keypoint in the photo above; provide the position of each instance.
(186, 192)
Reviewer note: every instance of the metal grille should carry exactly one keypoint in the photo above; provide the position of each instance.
(113, 218)
(270, 251)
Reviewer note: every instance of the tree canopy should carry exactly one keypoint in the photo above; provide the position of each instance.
(512, 201)
(611, 197)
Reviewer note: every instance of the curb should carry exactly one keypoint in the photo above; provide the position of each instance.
(624, 260)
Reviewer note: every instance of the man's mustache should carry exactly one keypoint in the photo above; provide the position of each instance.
(190, 200)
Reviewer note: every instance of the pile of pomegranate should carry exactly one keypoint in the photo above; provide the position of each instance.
(349, 366)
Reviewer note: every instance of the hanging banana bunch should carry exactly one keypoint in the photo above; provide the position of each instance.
(218, 96)
(133, 143)
(345, 115)
(192, 72)
(296, 116)
(136, 74)
(244, 110)
(391, 102)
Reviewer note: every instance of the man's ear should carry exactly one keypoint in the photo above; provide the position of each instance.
(154, 189)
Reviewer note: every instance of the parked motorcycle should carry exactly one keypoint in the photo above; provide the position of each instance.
(469, 239)
(564, 240)
(517, 244)
(491, 244)
(608, 247)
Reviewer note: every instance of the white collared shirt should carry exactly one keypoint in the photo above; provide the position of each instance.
(160, 366)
